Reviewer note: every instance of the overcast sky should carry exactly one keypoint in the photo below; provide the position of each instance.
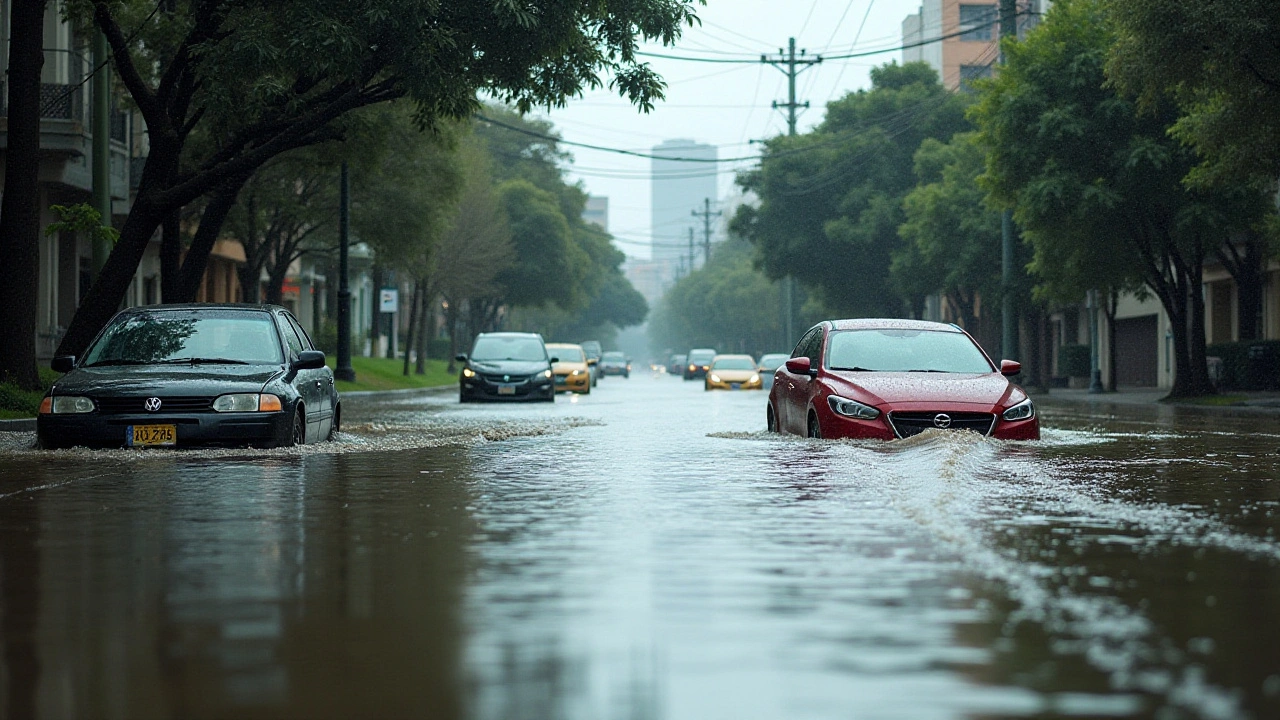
(726, 105)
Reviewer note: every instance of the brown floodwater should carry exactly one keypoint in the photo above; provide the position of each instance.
(648, 552)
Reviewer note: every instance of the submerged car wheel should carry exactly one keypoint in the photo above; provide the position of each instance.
(770, 421)
(815, 430)
(336, 426)
(298, 435)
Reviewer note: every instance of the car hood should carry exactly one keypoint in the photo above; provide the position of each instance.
(170, 380)
(987, 389)
(509, 367)
(567, 367)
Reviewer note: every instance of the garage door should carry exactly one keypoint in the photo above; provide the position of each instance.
(1137, 351)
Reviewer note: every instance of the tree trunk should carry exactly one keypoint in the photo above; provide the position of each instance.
(1197, 339)
(424, 325)
(1109, 309)
(191, 274)
(171, 259)
(451, 320)
(413, 325)
(20, 208)
(1250, 283)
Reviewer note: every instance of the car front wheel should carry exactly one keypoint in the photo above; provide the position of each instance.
(298, 433)
(771, 421)
(815, 429)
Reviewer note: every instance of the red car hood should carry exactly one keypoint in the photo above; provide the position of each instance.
(986, 389)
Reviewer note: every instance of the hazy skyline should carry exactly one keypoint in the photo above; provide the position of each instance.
(723, 104)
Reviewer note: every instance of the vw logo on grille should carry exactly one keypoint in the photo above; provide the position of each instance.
(506, 378)
(942, 420)
(151, 404)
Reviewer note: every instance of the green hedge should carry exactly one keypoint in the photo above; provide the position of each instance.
(1249, 364)
(1074, 361)
(18, 401)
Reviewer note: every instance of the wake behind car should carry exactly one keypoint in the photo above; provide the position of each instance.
(201, 374)
(889, 379)
(507, 366)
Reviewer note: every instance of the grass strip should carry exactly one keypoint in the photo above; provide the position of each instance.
(387, 374)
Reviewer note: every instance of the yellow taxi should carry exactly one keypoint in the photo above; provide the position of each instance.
(733, 372)
(571, 371)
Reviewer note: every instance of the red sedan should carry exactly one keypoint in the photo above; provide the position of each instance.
(890, 379)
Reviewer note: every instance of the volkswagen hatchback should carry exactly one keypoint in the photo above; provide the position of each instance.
(890, 379)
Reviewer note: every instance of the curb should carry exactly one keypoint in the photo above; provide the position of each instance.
(375, 394)
(21, 425)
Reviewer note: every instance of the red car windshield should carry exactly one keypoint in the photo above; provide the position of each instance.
(896, 350)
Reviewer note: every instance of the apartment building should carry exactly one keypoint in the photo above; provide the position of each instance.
(958, 37)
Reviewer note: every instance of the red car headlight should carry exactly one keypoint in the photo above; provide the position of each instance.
(852, 408)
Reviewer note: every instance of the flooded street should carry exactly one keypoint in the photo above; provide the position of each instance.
(647, 551)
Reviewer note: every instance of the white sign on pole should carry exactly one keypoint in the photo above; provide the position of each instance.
(390, 300)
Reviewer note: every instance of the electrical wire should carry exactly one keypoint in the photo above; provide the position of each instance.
(132, 36)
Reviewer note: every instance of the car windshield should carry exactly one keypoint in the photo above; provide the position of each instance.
(514, 347)
(734, 363)
(701, 356)
(772, 362)
(566, 353)
(153, 338)
(897, 350)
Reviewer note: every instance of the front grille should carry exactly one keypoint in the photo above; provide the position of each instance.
(906, 424)
(168, 405)
(506, 379)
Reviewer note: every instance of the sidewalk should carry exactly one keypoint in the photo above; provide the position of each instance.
(1258, 400)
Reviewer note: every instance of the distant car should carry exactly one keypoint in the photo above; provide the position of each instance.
(199, 374)
(891, 379)
(733, 372)
(615, 363)
(675, 364)
(571, 371)
(698, 362)
(768, 365)
(506, 366)
(592, 349)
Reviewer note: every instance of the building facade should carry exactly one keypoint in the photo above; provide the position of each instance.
(968, 30)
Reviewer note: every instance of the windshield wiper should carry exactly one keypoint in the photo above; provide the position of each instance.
(202, 361)
(118, 361)
(855, 369)
(940, 371)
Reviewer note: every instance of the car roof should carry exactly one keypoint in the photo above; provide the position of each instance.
(510, 334)
(736, 356)
(567, 345)
(256, 307)
(891, 324)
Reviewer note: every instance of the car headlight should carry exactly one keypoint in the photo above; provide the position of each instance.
(71, 405)
(693, 368)
(576, 373)
(1022, 411)
(852, 408)
(239, 402)
(715, 378)
(547, 373)
(468, 372)
(754, 379)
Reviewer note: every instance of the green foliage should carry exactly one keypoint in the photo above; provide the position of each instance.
(549, 267)
(831, 200)
(727, 304)
(81, 219)
(952, 237)
(16, 402)
(1074, 361)
(1221, 62)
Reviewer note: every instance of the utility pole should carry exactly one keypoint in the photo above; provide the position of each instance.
(690, 250)
(791, 66)
(344, 371)
(1009, 323)
(706, 216)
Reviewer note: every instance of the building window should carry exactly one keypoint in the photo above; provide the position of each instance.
(978, 23)
(969, 73)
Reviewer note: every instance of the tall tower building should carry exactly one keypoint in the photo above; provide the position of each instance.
(679, 189)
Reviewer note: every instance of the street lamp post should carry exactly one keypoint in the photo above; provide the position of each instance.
(344, 371)
(1095, 361)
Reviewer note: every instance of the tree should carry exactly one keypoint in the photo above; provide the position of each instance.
(261, 78)
(1095, 182)
(952, 236)
(831, 200)
(549, 266)
(20, 206)
(1221, 63)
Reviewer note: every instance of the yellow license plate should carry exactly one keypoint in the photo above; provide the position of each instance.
(152, 435)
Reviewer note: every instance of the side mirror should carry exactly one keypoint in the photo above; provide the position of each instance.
(800, 366)
(63, 363)
(592, 361)
(1010, 367)
(460, 357)
(309, 360)
(554, 360)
